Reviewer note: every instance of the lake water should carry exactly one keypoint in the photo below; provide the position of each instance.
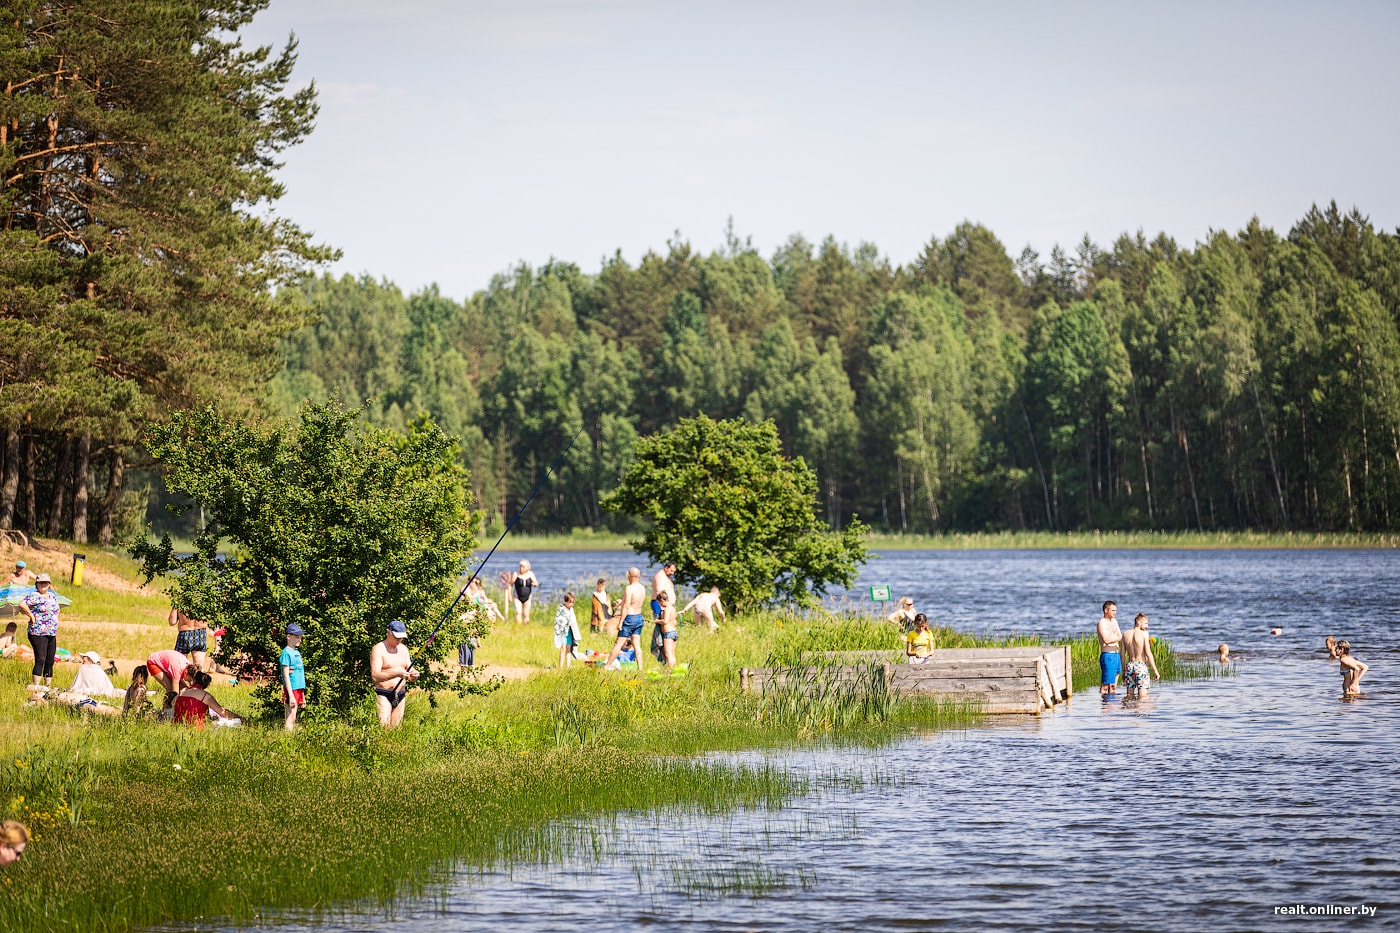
(1196, 599)
(1204, 807)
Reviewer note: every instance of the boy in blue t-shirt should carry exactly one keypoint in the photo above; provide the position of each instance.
(293, 675)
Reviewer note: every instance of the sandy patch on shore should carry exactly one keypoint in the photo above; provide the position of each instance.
(56, 560)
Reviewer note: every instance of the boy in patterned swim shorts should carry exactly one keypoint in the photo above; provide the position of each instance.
(1137, 648)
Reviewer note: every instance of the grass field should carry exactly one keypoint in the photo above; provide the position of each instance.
(140, 823)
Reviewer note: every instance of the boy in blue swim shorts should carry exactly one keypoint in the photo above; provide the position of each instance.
(1110, 661)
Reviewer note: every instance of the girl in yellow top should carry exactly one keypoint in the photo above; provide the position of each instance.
(919, 643)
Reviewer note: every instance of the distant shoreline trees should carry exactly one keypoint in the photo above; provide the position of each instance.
(1250, 382)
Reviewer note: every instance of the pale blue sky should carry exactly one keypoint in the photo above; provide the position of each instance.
(456, 139)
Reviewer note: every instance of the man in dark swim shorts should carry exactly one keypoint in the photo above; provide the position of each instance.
(391, 669)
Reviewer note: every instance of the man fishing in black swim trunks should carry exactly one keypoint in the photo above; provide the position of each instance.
(391, 669)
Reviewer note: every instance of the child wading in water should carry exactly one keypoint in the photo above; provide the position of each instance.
(566, 633)
(293, 675)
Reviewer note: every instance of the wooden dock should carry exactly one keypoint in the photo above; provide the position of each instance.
(1003, 680)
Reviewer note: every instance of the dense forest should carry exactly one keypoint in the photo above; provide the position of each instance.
(1252, 381)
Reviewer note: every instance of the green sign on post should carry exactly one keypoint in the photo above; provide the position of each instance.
(880, 594)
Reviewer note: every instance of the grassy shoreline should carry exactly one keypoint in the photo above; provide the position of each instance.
(140, 823)
(582, 540)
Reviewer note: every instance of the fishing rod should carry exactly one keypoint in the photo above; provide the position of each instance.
(538, 486)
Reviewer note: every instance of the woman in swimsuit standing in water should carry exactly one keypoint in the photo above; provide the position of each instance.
(525, 584)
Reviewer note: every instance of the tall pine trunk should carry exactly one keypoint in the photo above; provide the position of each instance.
(31, 512)
(60, 488)
(80, 488)
(9, 488)
(109, 501)
(1269, 445)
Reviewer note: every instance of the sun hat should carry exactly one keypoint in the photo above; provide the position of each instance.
(42, 578)
(294, 629)
(92, 656)
(398, 628)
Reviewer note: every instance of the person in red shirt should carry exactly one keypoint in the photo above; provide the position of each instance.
(193, 704)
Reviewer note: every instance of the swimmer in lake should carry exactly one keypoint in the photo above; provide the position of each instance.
(1352, 670)
(1224, 653)
(1275, 631)
(1331, 643)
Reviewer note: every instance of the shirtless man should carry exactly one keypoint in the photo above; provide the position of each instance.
(705, 606)
(661, 583)
(631, 630)
(1352, 670)
(1138, 647)
(22, 576)
(191, 637)
(391, 669)
(1110, 662)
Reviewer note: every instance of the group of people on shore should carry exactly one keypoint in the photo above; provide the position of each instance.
(621, 618)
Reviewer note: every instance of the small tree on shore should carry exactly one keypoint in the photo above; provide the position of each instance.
(336, 526)
(723, 502)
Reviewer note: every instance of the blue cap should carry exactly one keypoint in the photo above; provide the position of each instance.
(398, 628)
(295, 629)
(20, 565)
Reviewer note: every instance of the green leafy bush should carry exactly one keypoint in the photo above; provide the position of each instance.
(336, 526)
(722, 501)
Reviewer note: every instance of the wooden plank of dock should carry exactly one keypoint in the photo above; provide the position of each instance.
(1022, 679)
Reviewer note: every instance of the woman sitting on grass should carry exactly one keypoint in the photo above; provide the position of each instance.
(136, 691)
(91, 679)
(193, 704)
(918, 648)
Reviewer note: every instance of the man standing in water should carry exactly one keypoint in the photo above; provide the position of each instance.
(391, 669)
(1138, 647)
(1110, 662)
(632, 621)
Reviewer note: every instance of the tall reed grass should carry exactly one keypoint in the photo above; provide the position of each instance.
(1109, 540)
(1084, 657)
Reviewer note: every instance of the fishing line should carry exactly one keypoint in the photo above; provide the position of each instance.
(538, 486)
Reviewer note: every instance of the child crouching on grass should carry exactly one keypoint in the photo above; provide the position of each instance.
(293, 675)
(566, 633)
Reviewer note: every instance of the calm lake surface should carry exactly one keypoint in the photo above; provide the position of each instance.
(1201, 808)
